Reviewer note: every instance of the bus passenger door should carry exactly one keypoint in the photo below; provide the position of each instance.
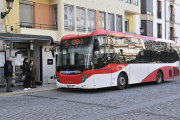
(102, 70)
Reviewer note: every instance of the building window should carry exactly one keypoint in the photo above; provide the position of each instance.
(119, 23)
(159, 30)
(54, 15)
(172, 16)
(68, 17)
(171, 33)
(102, 20)
(126, 25)
(158, 9)
(111, 22)
(128, 1)
(26, 14)
(171, 9)
(91, 20)
(81, 19)
(135, 2)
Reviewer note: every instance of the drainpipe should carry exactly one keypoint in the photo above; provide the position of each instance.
(165, 17)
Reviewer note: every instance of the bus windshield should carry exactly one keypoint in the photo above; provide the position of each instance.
(75, 54)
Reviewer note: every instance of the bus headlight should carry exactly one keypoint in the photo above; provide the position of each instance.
(83, 78)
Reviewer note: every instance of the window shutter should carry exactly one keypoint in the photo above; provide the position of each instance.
(26, 14)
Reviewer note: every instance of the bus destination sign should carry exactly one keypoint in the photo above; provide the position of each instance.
(74, 42)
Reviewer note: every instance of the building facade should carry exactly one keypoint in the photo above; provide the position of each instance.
(160, 19)
(57, 18)
(1, 20)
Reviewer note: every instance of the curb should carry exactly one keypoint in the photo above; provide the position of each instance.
(27, 92)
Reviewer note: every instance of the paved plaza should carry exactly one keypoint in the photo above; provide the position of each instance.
(139, 102)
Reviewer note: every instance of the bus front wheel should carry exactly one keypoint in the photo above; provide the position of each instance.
(159, 77)
(121, 81)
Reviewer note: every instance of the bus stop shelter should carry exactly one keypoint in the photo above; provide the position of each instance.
(7, 41)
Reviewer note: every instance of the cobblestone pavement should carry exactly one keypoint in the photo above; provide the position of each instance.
(139, 102)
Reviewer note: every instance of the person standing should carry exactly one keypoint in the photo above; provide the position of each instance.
(33, 73)
(8, 73)
(27, 73)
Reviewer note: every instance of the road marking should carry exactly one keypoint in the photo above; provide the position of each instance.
(26, 92)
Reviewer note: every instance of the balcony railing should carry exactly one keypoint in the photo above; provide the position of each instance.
(69, 28)
(172, 18)
(90, 29)
(159, 14)
(81, 29)
(159, 35)
(37, 26)
(172, 38)
(128, 1)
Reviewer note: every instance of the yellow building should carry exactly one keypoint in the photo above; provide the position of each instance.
(57, 18)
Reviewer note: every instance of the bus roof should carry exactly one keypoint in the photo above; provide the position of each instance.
(116, 34)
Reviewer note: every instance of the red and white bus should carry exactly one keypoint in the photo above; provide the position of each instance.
(108, 58)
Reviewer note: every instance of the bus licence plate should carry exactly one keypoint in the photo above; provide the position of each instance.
(70, 86)
(67, 72)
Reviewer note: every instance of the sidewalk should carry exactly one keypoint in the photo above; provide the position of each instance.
(18, 89)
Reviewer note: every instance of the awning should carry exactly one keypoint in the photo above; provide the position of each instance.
(25, 37)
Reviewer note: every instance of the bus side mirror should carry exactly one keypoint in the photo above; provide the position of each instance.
(52, 51)
(121, 51)
(96, 45)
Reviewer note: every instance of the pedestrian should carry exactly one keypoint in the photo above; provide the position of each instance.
(8, 73)
(27, 73)
(33, 73)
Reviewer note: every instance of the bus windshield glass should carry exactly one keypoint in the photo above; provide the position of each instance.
(75, 54)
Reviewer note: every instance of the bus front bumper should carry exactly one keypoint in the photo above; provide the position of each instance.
(82, 85)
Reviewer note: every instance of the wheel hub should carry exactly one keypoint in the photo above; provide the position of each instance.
(121, 81)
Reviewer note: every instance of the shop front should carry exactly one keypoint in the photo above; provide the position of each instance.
(20, 46)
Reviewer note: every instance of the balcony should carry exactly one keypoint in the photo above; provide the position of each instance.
(37, 29)
(159, 35)
(81, 29)
(37, 26)
(172, 18)
(91, 29)
(69, 28)
(172, 38)
(159, 14)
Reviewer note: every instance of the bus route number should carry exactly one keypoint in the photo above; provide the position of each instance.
(75, 42)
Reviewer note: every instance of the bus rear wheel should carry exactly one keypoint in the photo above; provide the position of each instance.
(159, 77)
(121, 81)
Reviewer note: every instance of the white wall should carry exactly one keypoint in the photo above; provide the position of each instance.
(48, 70)
(108, 6)
(177, 21)
(167, 30)
(157, 20)
(177, 13)
(51, 33)
(167, 11)
(177, 2)
(138, 23)
(177, 33)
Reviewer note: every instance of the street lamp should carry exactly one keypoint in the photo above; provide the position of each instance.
(141, 30)
(9, 4)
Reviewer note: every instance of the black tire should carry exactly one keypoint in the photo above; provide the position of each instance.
(121, 81)
(159, 77)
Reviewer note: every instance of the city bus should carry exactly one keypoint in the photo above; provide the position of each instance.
(109, 58)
